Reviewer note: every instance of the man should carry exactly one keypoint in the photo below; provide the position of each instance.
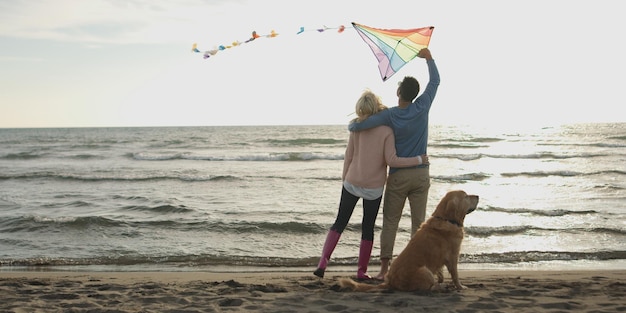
(409, 121)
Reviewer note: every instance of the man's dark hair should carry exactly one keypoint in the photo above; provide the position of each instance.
(409, 88)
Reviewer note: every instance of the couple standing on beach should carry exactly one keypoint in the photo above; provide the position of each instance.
(379, 137)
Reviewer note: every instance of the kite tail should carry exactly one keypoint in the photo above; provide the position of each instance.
(356, 286)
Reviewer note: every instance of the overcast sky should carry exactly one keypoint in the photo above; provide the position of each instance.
(77, 63)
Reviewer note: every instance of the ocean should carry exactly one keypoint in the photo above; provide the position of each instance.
(263, 197)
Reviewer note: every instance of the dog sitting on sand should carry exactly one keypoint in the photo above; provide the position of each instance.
(436, 243)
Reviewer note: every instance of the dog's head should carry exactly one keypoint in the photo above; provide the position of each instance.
(455, 205)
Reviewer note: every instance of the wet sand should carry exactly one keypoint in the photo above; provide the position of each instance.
(488, 291)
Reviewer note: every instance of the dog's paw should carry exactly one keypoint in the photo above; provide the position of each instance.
(438, 287)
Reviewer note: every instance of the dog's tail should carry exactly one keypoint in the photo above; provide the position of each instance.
(356, 286)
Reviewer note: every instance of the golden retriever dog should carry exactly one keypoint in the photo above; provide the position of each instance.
(436, 243)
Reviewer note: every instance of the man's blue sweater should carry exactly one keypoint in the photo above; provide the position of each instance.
(410, 124)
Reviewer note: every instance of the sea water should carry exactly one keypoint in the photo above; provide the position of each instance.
(259, 197)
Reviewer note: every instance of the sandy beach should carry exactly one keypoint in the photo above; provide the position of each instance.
(488, 291)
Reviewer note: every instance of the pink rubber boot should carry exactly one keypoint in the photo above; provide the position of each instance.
(329, 246)
(365, 252)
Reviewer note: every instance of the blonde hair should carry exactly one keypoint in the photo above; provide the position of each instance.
(368, 104)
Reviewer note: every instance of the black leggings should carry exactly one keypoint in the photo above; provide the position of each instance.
(346, 207)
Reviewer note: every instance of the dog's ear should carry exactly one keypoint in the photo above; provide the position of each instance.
(452, 206)
(464, 203)
(447, 205)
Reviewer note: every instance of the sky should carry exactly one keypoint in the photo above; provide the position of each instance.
(113, 63)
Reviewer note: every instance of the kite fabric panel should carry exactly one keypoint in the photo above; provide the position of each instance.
(394, 47)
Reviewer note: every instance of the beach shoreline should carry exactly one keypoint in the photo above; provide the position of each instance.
(296, 291)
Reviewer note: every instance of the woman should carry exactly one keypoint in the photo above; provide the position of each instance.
(364, 175)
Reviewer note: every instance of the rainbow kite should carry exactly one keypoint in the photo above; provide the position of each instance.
(394, 47)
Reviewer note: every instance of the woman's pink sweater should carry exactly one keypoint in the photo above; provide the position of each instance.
(368, 154)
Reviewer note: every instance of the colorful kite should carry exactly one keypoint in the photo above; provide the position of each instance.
(394, 47)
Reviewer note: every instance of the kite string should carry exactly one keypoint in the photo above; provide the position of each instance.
(255, 36)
